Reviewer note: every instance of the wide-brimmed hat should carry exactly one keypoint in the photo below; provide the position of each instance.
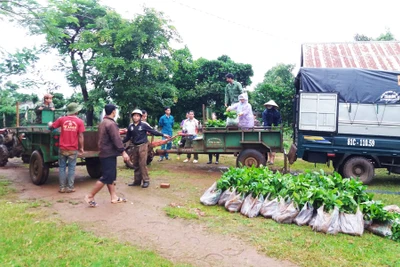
(46, 96)
(271, 103)
(137, 111)
(73, 108)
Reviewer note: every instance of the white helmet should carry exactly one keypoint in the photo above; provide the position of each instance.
(137, 111)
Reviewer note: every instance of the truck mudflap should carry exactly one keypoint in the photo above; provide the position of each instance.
(292, 155)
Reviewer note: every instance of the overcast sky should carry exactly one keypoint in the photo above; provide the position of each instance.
(260, 33)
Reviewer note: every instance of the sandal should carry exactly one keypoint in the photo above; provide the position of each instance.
(119, 200)
(91, 203)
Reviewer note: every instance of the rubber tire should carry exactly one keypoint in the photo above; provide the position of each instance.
(93, 167)
(3, 155)
(38, 170)
(359, 167)
(249, 157)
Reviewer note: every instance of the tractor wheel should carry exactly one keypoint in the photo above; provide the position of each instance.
(250, 157)
(93, 167)
(3, 155)
(359, 167)
(38, 170)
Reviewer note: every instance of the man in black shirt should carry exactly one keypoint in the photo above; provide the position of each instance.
(137, 134)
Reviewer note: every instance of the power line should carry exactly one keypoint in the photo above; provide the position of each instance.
(233, 22)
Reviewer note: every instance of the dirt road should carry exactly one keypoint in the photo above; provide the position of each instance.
(142, 221)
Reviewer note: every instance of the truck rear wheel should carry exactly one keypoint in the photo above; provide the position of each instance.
(359, 167)
(250, 157)
(93, 167)
(3, 155)
(38, 170)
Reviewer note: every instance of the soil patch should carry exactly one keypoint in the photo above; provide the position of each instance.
(142, 221)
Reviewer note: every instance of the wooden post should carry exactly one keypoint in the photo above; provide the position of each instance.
(17, 114)
(204, 114)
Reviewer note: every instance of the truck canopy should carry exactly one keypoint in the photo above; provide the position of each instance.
(352, 85)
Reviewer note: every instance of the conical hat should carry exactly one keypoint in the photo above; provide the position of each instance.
(271, 103)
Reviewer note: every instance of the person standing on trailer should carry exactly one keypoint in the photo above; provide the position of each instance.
(244, 112)
(232, 90)
(271, 117)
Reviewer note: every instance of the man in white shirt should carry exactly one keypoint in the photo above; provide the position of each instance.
(191, 127)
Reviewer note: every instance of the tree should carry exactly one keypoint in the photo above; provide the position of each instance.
(278, 84)
(387, 36)
(72, 28)
(20, 10)
(58, 100)
(203, 82)
(139, 67)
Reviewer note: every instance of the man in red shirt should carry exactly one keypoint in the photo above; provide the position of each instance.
(72, 129)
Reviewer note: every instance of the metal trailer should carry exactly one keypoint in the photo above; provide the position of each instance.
(39, 147)
(250, 146)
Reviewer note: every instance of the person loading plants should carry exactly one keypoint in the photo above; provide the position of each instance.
(137, 134)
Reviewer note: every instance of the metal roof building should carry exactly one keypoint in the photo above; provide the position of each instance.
(381, 55)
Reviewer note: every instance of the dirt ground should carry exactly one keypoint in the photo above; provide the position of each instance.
(142, 221)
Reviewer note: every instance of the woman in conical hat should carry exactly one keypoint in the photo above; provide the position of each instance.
(271, 117)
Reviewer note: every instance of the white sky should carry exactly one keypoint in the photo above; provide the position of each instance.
(260, 33)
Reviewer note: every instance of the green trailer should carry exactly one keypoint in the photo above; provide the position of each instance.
(39, 146)
(250, 146)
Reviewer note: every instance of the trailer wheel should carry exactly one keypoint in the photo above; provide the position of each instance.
(93, 167)
(3, 155)
(250, 157)
(38, 170)
(359, 167)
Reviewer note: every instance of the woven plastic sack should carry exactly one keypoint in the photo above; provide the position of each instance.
(234, 203)
(225, 196)
(287, 212)
(211, 196)
(327, 222)
(352, 224)
(256, 207)
(269, 207)
(305, 215)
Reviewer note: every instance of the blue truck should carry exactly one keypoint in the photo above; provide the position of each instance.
(348, 117)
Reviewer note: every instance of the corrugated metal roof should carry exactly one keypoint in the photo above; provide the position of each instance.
(365, 55)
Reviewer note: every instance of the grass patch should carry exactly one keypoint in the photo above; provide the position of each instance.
(4, 187)
(300, 245)
(29, 237)
(180, 212)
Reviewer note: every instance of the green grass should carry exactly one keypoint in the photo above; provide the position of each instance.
(4, 187)
(297, 244)
(180, 212)
(29, 237)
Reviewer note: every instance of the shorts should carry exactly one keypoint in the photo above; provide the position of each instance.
(109, 168)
